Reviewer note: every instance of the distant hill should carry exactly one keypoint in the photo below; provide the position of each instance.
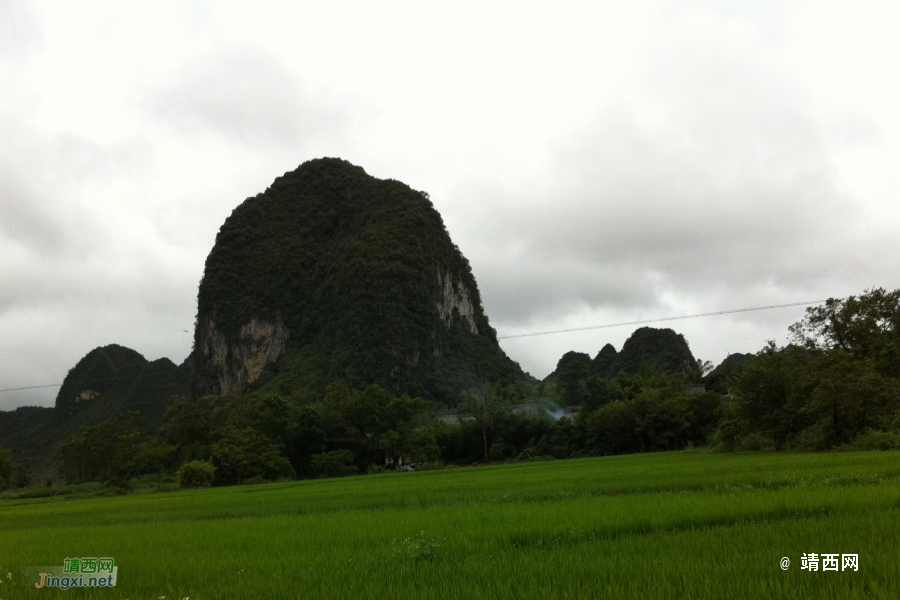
(107, 381)
(732, 364)
(334, 275)
(661, 347)
(604, 364)
(571, 361)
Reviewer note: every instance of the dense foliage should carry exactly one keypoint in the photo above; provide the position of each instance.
(11, 473)
(352, 265)
(663, 348)
(107, 382)
(838, 385)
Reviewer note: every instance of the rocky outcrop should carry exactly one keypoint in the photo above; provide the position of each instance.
(455, 302)
(230, 364)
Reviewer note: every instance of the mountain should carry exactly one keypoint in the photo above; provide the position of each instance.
(604, 364)
(576, 363)
(732, 364)
(114, 379)
(660, 347)
(107, 381)
(331, 275)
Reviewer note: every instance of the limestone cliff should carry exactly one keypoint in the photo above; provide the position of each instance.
(332, 274)
(229, 366)
(455, 303)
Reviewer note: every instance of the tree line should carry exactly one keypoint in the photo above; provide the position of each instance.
(836, 385)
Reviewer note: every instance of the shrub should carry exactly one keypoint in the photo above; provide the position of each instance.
(195, 474)
(375, 469)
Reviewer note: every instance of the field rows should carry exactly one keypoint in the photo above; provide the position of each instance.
(708, 526)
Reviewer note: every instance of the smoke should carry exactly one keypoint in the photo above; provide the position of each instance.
(556, 412)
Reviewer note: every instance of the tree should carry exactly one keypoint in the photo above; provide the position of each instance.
(772, 390)
(154, 456)
(847, 397)
(867, 326)
(485, 405)
(240, 454)
(11, 474)
(189, 425)
(105, 452)
(599, 392)
(195, 474)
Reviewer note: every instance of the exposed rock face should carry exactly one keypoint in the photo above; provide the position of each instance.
(456, 301)
(232, 365)
(334, 275)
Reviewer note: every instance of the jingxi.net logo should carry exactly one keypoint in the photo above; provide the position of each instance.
(77, 572)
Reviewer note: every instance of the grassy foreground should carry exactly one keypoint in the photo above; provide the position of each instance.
(668, 525)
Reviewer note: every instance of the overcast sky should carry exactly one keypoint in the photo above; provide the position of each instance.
(596, 162)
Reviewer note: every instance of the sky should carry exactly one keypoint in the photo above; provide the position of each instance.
(597, 163)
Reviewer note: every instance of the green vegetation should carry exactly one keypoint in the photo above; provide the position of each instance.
(652, 526)
(196, 474)
(353, 266)
(661, 349)
(819, 394)
(11, 473)
(109, 381)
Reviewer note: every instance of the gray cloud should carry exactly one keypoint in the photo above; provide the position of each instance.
(716, 190)
(248, 94)
(707, 184)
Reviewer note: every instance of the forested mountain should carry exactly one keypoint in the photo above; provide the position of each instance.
(661, 349)
(334, 275)
(106, 382)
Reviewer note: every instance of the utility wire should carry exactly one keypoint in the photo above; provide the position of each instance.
(709, 314)
(534, 334)
(32, 387)
(51, 385)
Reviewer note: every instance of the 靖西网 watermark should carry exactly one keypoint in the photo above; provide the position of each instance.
(76, 572)
(829, 562)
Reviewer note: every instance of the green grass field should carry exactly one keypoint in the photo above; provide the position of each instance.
(670, 525)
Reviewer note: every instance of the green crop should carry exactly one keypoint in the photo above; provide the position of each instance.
(668, 525)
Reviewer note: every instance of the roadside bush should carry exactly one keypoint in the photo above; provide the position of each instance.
(196, 474)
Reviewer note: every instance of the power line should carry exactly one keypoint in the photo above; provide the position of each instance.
(50, 385)
(709, 314)
(521, 335)
(32, 387)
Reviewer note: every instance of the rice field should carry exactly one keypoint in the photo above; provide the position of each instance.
(671, 525)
